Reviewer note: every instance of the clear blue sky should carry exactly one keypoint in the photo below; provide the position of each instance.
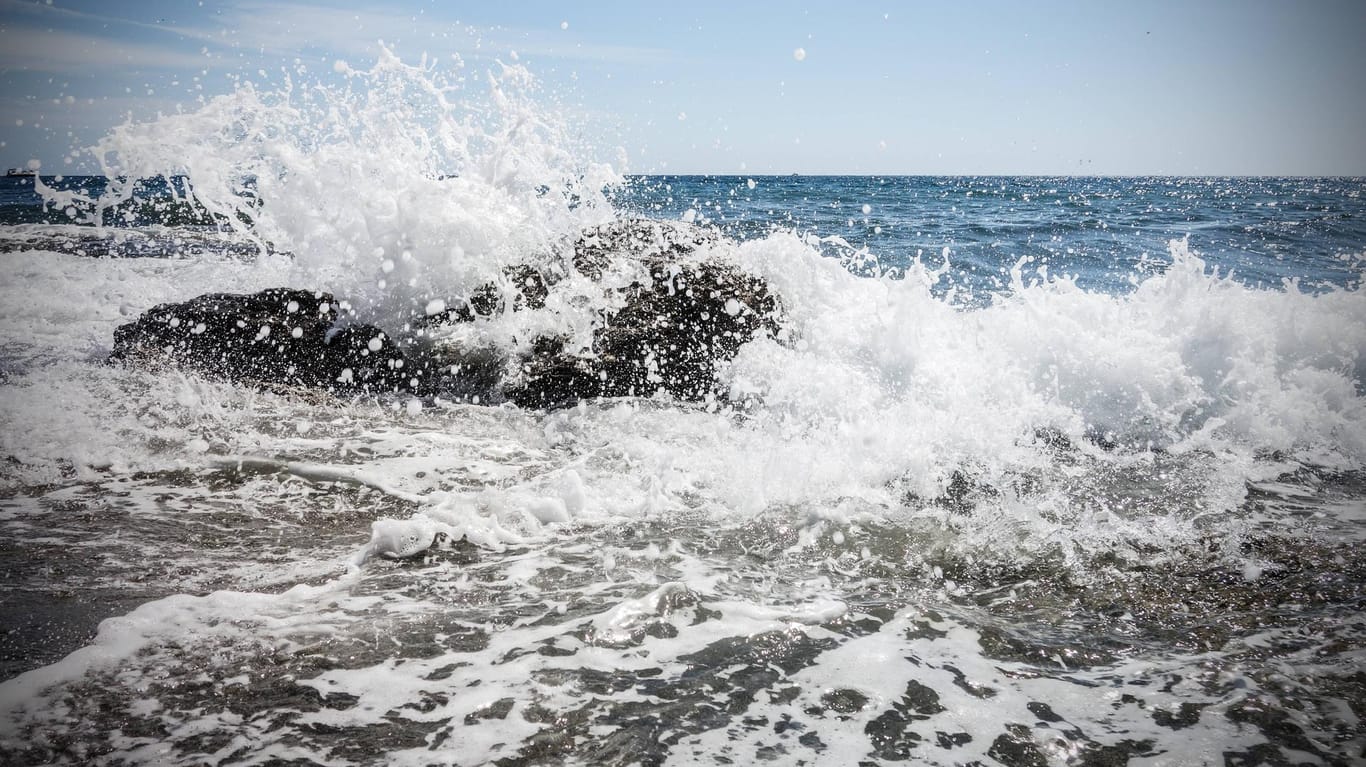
(1195, 87)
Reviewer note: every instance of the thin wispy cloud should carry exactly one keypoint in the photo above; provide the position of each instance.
(60, 40)
(67, 52)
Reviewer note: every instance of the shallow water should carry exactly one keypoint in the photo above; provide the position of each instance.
(974, 511)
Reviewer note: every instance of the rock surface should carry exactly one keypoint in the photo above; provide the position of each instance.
(681, 314)
(673, 331)
(639, 239)
(277, 337)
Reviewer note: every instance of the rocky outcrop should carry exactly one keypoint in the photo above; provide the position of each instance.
(637, 239)
(680, 314)
(673, 331)
(526, 286)
(278, 337)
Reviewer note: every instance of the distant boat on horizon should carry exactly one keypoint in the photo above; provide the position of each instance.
(21, 172)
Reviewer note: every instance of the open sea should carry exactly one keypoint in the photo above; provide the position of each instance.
(1040, 471)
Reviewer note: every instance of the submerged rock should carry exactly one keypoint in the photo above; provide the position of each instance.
(679, 314)
(280, 337)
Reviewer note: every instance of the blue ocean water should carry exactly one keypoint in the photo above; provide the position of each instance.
(1104, 230)
(155, 201)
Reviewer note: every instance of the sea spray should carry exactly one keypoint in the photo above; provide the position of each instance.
(401, 185)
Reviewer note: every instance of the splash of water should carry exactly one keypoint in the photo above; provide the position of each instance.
(400, 185)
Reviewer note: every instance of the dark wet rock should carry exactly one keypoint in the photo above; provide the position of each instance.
(676, 325)
(521, 288)
(890, 736)
(1278, 726)
(678, 315)
(1117, 755)
(280, 337)
(1043, 711)
(1185, 715)
(1016, 748)
(965, 491)
(498, 709)
(638, 239)
(947, 740)
(456, 373)
(844, 700)
(529, 287)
